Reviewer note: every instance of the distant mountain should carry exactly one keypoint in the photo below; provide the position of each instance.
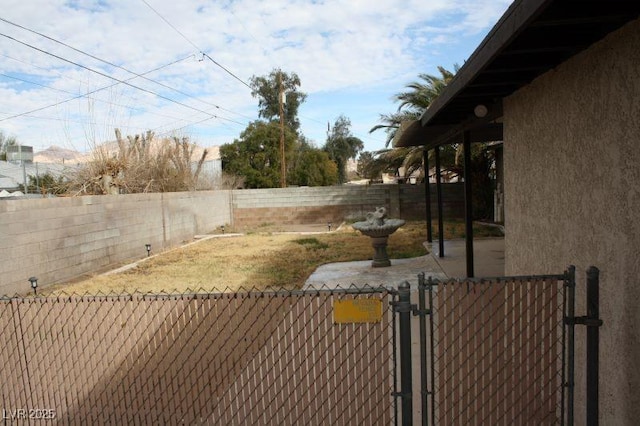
(57, 155)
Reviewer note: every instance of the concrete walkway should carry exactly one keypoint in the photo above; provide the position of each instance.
(361, 273)
(489, 262)
(488, 256)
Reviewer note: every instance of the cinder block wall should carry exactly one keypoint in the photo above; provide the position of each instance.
(412, 205)
(58, 239)
(255, 207)
(61, 238)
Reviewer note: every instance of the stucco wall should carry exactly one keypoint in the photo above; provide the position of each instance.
(572, 193)
(57, 239)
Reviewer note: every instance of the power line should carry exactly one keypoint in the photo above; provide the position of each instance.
(229, 72)
(174, 28)
(246, 30)
(194, 45)
(41, 68)
(121, 67)
(112, 78)
(69, 120)
(110, 86)
(35, 84)
(180, 128)
(73, 48)
(177, 120)
(86, 94)
(61, 75)
(82, 95)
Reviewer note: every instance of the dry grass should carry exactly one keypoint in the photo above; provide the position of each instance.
(140, 163)
(258, 260)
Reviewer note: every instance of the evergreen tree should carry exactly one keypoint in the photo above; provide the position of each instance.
(268, 88)
(342, 145)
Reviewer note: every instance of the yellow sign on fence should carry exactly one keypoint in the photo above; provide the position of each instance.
(357, 311)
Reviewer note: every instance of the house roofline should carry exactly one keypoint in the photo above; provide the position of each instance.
(531, 38)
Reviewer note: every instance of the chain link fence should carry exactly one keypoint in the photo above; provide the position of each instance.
(498, 351)
(265, 358)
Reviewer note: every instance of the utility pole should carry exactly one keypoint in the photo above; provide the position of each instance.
(281, 100)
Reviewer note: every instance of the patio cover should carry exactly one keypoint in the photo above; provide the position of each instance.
(531, 38)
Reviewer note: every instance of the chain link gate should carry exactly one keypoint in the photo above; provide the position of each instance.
(279, 357)
(496, 351)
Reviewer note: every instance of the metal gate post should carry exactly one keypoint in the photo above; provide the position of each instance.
(433, 353)
(592, 321)
(422, 312)
(403, 307)
(569, 313)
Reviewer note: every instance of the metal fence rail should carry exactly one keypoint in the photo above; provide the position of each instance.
(215, 358)
(497, 351)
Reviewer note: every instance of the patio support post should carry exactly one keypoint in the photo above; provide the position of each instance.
(439, 196)
(468, 211)
(427, 194)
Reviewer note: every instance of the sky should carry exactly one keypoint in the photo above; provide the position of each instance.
(73, 71)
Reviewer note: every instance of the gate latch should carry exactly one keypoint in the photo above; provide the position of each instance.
(588, 321)
(402, 306)
(419, 312)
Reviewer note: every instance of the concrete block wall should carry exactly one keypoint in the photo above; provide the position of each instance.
(412, 205)
(256, 207)
(57, 239)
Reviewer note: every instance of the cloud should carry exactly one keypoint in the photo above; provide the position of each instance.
(342, 50)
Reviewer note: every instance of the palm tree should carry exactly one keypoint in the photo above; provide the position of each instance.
(413, 103)
(424, 92)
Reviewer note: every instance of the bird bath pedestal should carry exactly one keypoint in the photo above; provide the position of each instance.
(378, 228)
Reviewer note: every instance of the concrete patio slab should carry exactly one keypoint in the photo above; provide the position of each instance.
(489, 262)
(360, 274)
(488, 256)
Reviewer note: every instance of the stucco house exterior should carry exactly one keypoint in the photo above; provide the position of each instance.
(561, 82)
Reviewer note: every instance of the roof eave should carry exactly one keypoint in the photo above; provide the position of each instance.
(506, 29)
(483, 129)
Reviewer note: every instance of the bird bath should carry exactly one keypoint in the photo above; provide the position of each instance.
(378, 228)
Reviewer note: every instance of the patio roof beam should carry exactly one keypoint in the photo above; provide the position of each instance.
(484, 132)
(504, 32)
(531, 38)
